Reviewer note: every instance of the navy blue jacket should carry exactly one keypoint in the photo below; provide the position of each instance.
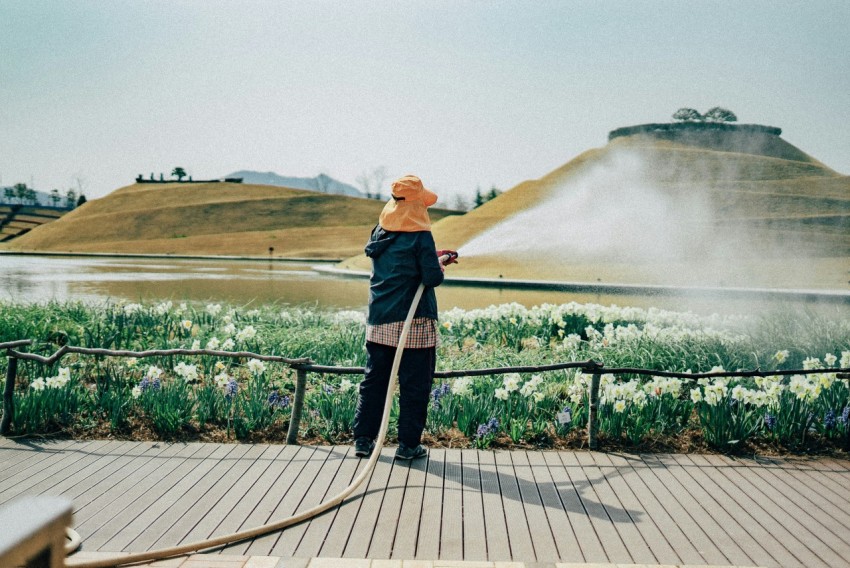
(400, 262)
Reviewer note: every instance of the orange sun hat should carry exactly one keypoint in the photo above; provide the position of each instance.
(407, 209)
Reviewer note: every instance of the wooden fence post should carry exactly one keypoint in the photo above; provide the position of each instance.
(297, 406)
(9, 396)
(592, 441)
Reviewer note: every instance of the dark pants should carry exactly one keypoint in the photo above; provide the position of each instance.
(415, 376)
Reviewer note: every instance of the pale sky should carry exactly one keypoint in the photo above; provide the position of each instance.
(461, 93)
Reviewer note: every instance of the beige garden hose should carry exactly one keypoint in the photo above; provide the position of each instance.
(75, 541)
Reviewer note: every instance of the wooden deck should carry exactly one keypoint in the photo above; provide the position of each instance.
(525, 506)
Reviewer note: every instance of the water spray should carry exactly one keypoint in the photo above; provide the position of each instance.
(446, 257)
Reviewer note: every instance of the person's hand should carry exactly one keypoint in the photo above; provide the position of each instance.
(450, 254)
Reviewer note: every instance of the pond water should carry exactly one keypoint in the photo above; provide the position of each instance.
(37, 278)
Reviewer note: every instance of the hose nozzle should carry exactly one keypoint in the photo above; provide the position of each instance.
(447, 257)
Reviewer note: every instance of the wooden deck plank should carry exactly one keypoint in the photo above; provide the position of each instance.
(677, 546)
(684, 514)
(612, 545)
(623, 520)
(725, 536)
(683, 508)
(589, 547)
(535, 513)
(839, 470)
(29, 477)
(562, 532)
(246, 514)
(289, 539)
(225, 504)
(763, 546)
(157, 508)
(275, 492)
(363, 530)
(830, 482)
(86, 502)
(799, 505)
(318, 527)
(519, 535)
(292, 495)
(798, 483)
(126, 501)
(339, 530)
(387, 524)
(451, 522)
(428, 539)
(15, 453)
(795, 521)
(495, 525)
(620, 477)
(89, 465)
(474, 532)
(82, 502)
(760, 516)
(407, 533)
(196, 504)
(101, 471)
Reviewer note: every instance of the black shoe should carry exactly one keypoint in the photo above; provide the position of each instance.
(407, 453)
(363, 447)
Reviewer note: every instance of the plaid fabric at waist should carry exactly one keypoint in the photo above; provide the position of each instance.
(423, 333)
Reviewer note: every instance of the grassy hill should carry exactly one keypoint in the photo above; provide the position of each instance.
(212, 218)
(17, 220)
(649, 210)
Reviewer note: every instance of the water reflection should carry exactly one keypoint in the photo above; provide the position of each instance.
(94, 279)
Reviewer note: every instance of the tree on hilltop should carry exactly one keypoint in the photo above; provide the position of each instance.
(714, 114)
(720, 114)
(493, 193)
(179, 173)
(21, 192)
(479, 198)
(688, 114)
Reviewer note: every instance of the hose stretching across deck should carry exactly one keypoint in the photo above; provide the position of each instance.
(289, 521)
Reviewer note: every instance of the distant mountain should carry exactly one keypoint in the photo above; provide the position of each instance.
(321, 183)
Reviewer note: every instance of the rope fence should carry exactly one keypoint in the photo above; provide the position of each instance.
(304, 365)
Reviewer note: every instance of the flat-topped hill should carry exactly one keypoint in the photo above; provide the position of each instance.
(659, 208)
(725, 137)
(212, 218)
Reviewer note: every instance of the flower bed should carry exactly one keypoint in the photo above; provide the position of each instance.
(210, 398)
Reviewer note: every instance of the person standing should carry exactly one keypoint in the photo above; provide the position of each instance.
(403, 256)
